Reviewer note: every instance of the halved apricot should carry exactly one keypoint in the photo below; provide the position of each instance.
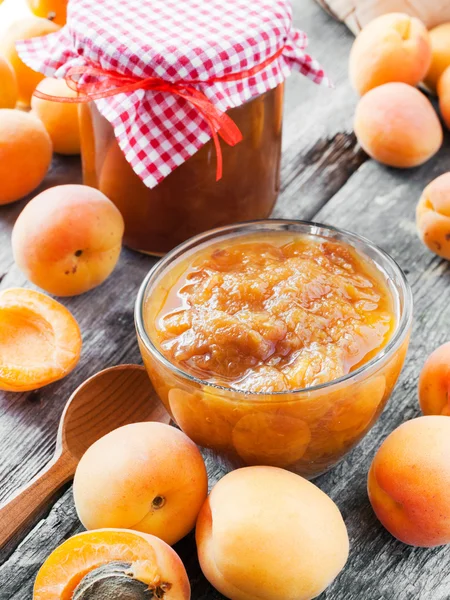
(40, 341)
(112, 563)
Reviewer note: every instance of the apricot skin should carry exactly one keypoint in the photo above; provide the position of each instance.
(396, 125)
(26, 154)
(443, 90)
(433, 216)
(121, 475)
(409, 482)
(8, 85)
(440, 50)
(434, 382)
(266, 533)
(67, 240)
(56, 9)
(59, 118)
(392, 47)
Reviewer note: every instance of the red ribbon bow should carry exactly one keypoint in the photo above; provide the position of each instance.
(97, 83)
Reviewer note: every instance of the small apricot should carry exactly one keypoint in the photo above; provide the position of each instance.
(443, 90)
(392, 47)
(40, 341)
(67, 240)
(60, 118)
(409, 482)
(26, 154)
(434, 382)
(433, 216)
(267, 533)
(27, 28)
(396, 125)
(112, 563)
(146, 476)
(8, 85)
(440, 54)
(55, 10)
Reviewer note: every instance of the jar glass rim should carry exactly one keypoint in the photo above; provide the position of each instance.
(297, 226)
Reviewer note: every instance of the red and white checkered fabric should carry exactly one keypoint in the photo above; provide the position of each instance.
(173, 40)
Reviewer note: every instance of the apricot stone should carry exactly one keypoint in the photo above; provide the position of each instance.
(392, 47)
(440, 54)
(149, 477)
(409, 482)
(433, 216)
(8, 85)
(434, 382)
(396, 125)
(443, 90)
(25, 151)
(67, 240)
(268, 534)
(60, 118)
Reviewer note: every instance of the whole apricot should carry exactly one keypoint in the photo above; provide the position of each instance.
(67, 240)
(443, 90)
(434, 382)
(27, 28)
(55, 10)
(146, 476)
(392, 47)
(115, 564)
(267, 533)
(26, 154)
(440, 54)
(433, 216)
(409, 482)
(60, 118)
(396, 125)
(8, 85)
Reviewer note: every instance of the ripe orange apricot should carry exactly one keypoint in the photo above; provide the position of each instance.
(67, 240)
(434, 382)
(25, 151)
(60, 118)
(409, 482)
(392, 47)
(8, 85)
(40, 341)
(267, 533)
(443, 90)
(396, 125)
(27, 28)
(146, 476)
(433, 216)
(440, 49)
(112, 563)
(55, 10)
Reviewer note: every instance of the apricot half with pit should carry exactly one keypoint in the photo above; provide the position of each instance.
(112, 564)
(145, 476)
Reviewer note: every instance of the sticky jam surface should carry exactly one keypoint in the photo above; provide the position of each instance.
(271, 313)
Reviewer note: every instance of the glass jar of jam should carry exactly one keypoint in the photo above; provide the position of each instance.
(275, 342)
(190, 200)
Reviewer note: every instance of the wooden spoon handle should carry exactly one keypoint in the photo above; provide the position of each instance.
(32, 498)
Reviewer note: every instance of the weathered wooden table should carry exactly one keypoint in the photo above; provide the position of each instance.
(325, 177)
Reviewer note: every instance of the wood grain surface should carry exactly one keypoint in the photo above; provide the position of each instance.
(325, 177)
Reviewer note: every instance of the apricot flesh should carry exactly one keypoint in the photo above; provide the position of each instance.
(434, 382)
(396, 125)
(26, 153)
(59, 118)
(67, 240)
(8, 85)
(440, 51)
(27, 28)
(143, 561)
(392, 47)
(266, 533)
(409, 482)
(433, 216)
(146, 476)
(40, 341)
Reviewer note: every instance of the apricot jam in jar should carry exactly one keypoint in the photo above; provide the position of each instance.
(275, 342)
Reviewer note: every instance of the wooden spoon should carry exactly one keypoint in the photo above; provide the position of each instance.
(105, 401)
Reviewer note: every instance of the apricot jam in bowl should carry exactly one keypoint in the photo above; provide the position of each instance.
(275, 342)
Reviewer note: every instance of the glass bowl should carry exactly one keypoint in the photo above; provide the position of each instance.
(306, 431)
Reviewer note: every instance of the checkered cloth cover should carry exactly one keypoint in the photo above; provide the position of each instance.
(173, 39)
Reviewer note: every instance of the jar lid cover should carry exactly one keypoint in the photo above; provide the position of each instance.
(149, 51)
